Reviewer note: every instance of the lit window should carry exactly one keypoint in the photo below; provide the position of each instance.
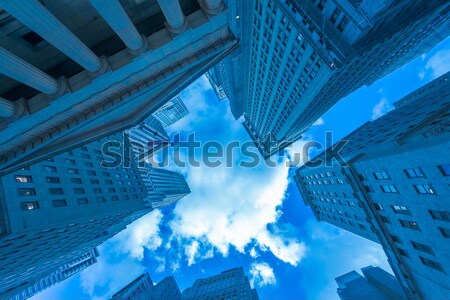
(27, 192)
(398, 209)
(30, 205)
(23, 178)
(424, 189)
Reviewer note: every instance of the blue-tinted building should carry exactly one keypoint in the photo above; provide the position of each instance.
(375, 284)
(390, 183)
(230, 284)
(171, 112)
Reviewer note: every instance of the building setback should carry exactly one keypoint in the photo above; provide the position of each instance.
(301, 57)
(392, 187)
(171, 112)
(56, 211)
(376, 284)
(229, 284)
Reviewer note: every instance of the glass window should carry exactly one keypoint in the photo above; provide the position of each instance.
(381, 175)
(111, 190)
(49, 169)
(52, 179)
(108, 181)
(378, 206)
(91, 173)
(94, 181)
(445, 232)
(431, 263)
(409, 224)
(414, 173)
(396, 239)
(24, 178)
(88, 164)
(72, 171)
(78, 191)
(398, 209)
(422, 247)
(123, 189)
(29, 205)
(402, 252)
(100, 199)
(106, 174)
(82, 201)
(84, 155)
(389, 188)
(59, 203)
(76, 180)
(115, 198)
(97, 190)
(445, 170)
(368, 188)
(70, 162)
(439, 215)
(56, 191)
(26, 192)
(424, 189)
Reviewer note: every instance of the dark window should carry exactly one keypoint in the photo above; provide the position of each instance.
(111, 190)
(108, 181)
(88, 164)
(70, 162)
(100, 199)
(414, 173)
(445, 232)
(439, 215)
(106, 174)
(94, 181)
(82, 201)
(385, 219)
(396, 239)
(378, 206)
(52, 179)
(33, 38)
(91, 173)
(422, 247)
(59, 203)
(368, 188)
(76, 180)
(402, 252)
(97, 190)
(26, 192)
(409, 224)
(84, 155)
(24, 178)
(79, 191)
(55, 191)
(115, 198)
(29, 205)
(431, 263)
(445, 170)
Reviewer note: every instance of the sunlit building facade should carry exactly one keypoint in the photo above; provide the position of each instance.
(171, 112)
(390, 184)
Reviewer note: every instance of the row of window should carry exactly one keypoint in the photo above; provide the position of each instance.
(392, 189)
(59, 191)
(411, 173)
(52, 179)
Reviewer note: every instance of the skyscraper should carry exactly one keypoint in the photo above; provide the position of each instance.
(171, 112)
(97, 67)
(304, 56)
(63, 272)
(390, 183)
(376, 284)
(230, 284)
(164, 187)
(56, 211)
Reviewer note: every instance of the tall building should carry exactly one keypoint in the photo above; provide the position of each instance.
(390, 184)
(63, 272)
(142, 288)
(304, 56)
(375, 284)
(97, 67)
(147, 139)
(231, 284)
(164, 187)
(171, 112)
(56, 211)
(218, 83)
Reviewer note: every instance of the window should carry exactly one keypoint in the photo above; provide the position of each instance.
(100, 199)
(414, 173)
(368, 188)
(70, 162)
(108, 181)
(431, 263)
(79, 191)
(59, 203)
(91, 173)
(422, 247)
(439, 215)
(409, 224)
(396, 239)
(115, 198)
(106, 174)
(343, 24)
(72, 171)
(335, 15)
(57, 191)
(398, 209)
(76, 180)
(402, 252)
(445, 232)
(111, 190)
(84, 155)
(389, 188)
(27, 192)
(49, 169)
(82, 201)
(445, 170)
(123, 189)
(52, 179)
(88, 164)
(385, 219)
(126, 197)
(381, 175)
(83, 148)
(94, 181)
(24, 178)
(424, 189)
(29, 205)
(97, 190)
(378, 206)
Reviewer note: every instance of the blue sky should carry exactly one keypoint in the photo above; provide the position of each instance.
(250, 217)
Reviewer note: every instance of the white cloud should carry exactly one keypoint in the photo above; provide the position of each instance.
(143, 233)
(261, 274)
(439, 63)
(319, 122)
(382, 107)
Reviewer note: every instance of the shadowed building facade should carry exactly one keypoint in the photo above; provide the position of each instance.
(299, 58)
(75, 71)
(390, 183)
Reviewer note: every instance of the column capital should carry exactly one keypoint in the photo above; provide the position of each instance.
(213, 7)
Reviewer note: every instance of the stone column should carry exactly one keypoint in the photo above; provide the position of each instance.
(214, 7)
(18, 69)
(39, 19)
(116, 17)
(176, 21)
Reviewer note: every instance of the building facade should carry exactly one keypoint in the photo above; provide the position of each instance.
(301, 57)
(142, 288)
(164, 187)
(230, 284)
(97, 67)
(63, 272)
(390, 184)
(56, 211)
(171, 112)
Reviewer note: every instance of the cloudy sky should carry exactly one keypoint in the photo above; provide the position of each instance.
(249, 217)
